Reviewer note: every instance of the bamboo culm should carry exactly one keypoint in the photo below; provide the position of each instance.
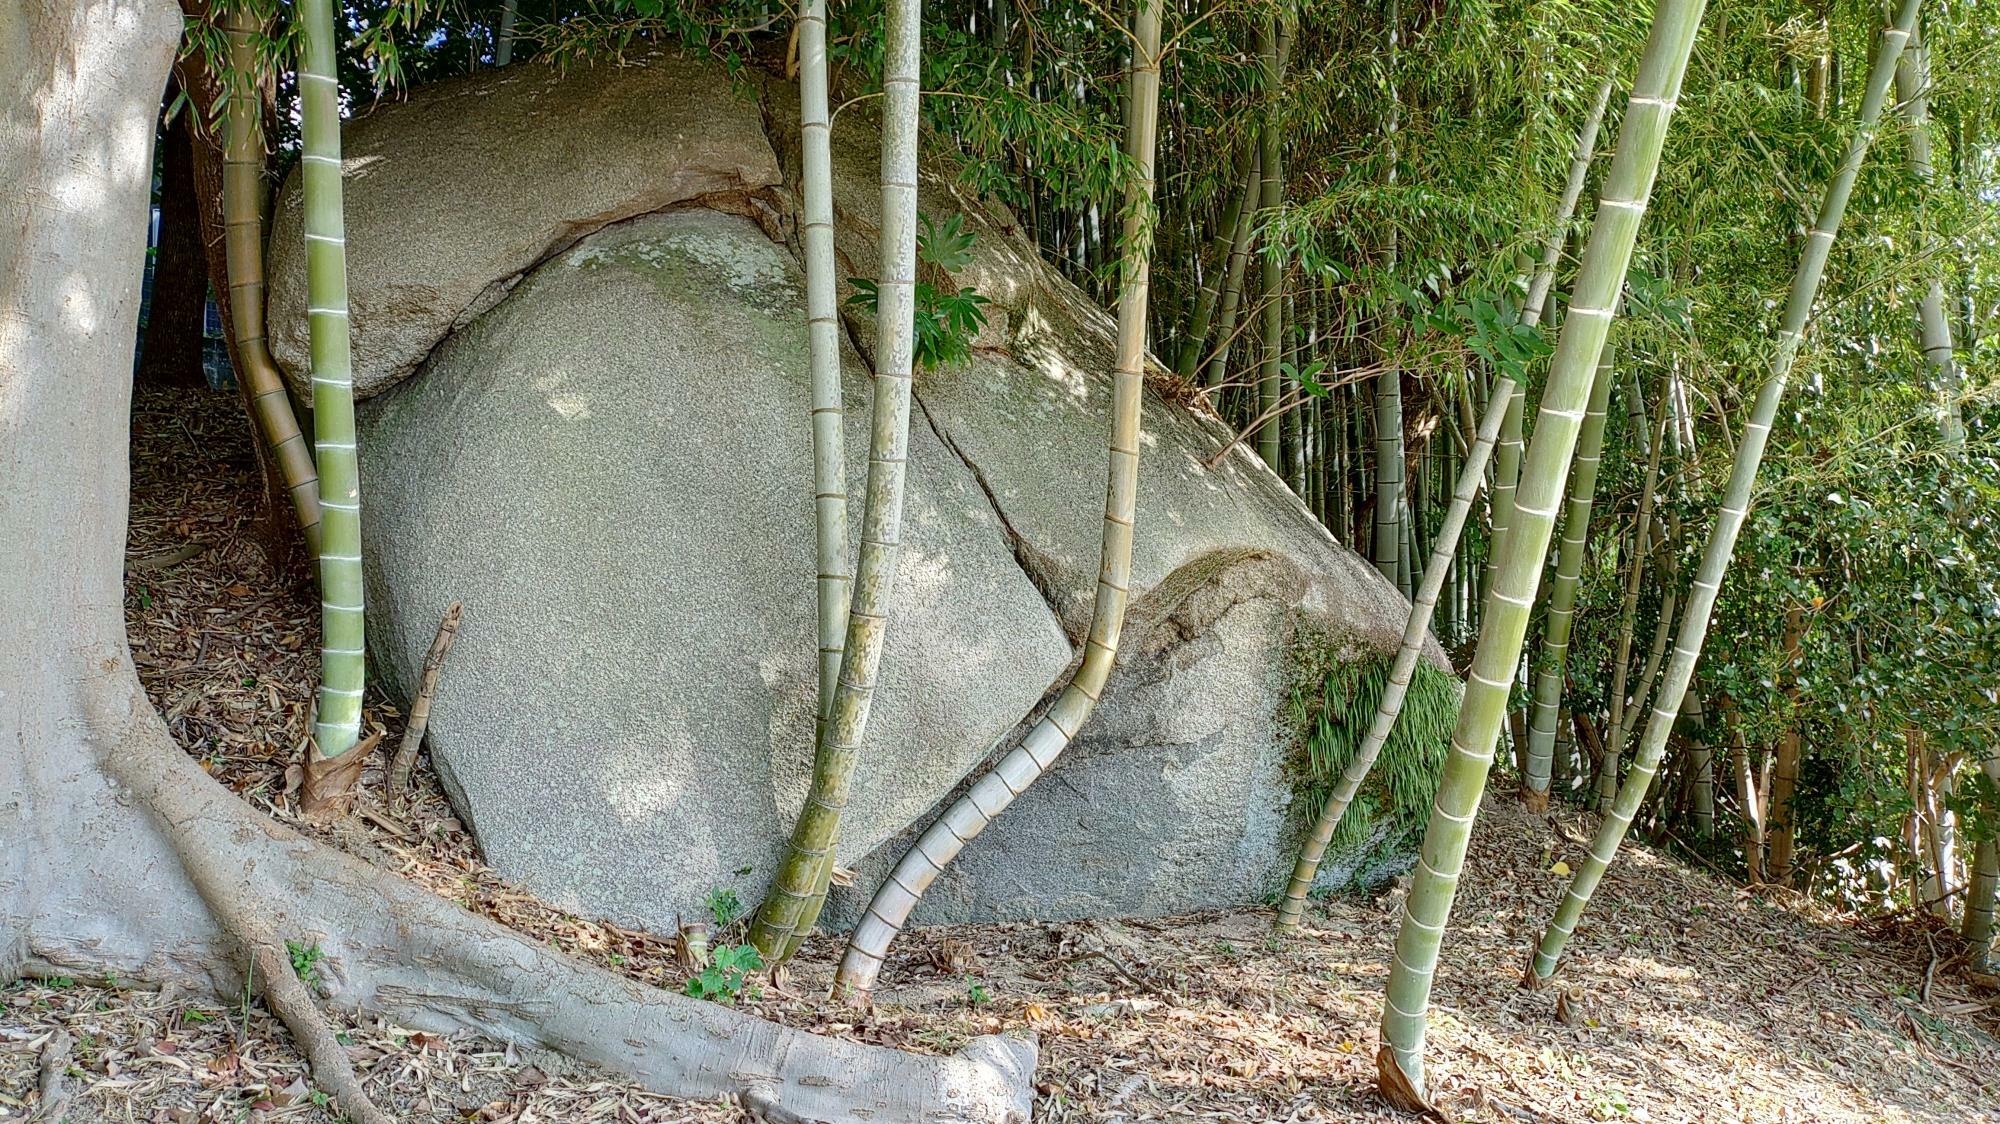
(991, 794)
(1391, 499)
(1735, 506)
(243, 247)
(1913, 82)
(1272, 167)
(835, 582)
(1230, 233)
(807, 862)
(1542, 719)
(343, 670)
(1983, 887)
(1628, 612)
(1415, 632)
(1614, 229)
(1507, 461)
(1232, 286)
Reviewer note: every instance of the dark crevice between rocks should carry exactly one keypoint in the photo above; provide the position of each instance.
(761, 205)
(1041, 571)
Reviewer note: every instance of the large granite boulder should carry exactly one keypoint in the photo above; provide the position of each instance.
(610, 466)
(611, 470)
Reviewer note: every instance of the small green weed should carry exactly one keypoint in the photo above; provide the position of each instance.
(724, 907)
(976, 993)
(727, 974)
(305, 961)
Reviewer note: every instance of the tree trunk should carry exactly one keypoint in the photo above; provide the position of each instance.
(1627, 188)
(124, 857)
(171, 355)
(1735, 506)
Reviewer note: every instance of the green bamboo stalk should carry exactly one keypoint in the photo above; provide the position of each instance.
(808, 853)
(1913, 80)
(1983, 888)
(1735, 505)
(1542, 718)
(823, 344)
(1635, 415)
(343, 671)
(243, 249)
(1628, 611)
(1627, 188)
(1388, 536)
(1416, 630)
(1390, 501)
(1621, 731)
(834, 582)
(1701, 766)
(1239, 267)
(993, 793)
(1271, 137)
(1233, 231)
(503, 38)
(1507, 461)
(1558, 235)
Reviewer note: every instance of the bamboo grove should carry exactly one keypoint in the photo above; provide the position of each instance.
(1649, 349)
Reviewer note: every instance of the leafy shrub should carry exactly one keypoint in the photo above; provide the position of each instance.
(946, 321)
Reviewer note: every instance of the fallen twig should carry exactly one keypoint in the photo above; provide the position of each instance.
(420, 707)
(54, 1090)
(162, 561)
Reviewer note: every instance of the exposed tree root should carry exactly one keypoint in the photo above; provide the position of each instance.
(393, 948)
(292, 1002)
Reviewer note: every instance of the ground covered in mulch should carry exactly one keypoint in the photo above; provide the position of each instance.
(1684, 999)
